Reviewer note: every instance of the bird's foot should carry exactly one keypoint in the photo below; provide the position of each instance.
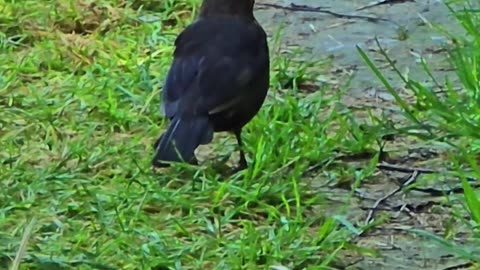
(242, 165)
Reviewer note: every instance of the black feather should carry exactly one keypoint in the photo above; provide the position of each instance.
(218, 79)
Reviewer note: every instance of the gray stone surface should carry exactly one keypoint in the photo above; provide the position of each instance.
(327, 35)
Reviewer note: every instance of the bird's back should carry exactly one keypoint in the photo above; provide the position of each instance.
(218, 80)
(217, 61)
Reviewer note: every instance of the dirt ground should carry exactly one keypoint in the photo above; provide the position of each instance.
(401, 28)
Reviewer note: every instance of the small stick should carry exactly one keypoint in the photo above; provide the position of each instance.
(23, 245)
(305, 8)
(397, 168)
(384, 2)
(413, 177)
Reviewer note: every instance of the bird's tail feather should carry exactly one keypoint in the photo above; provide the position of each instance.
(181, 139)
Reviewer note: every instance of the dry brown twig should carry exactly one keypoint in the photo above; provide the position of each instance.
(23, 245)
(305, 8)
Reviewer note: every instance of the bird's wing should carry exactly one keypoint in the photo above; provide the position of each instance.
(214, 62)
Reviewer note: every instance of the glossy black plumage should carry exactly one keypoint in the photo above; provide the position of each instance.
(218, 80)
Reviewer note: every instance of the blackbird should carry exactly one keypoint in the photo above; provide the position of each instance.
(217, 82)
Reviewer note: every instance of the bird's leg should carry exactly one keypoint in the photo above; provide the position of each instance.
(242, 164)
(155, 144)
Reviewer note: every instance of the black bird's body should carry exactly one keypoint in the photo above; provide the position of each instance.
(218, 80)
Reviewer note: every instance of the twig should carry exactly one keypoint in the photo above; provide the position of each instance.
(459, 266)
(403, 169)
(413, 177)
(439, 192)
(305, 8)
(294, 7)
(414, 173)
(23, 245)
(384, 2)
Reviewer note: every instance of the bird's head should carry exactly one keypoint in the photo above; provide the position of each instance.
(242, 8)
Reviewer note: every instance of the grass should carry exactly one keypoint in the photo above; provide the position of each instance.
(446, 114)
(79, 112)
(79, 99)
